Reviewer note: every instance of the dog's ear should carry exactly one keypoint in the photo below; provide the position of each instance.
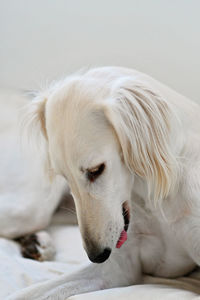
(40, 115)
(33, 129)
(142, 122)
(34, 115)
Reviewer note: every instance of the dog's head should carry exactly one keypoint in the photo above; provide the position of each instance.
(99, 134)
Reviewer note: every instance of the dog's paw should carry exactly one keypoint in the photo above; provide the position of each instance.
(37, 246)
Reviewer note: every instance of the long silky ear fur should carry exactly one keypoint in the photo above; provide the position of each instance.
(141, 120)
(33, 130)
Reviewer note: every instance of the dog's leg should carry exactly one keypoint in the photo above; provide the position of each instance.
(122, 269)
(19, 217)
(30, 209)
(38, 246)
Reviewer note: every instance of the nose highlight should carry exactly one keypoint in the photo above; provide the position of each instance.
(100, 257)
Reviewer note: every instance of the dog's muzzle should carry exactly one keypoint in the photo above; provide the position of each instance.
(97, 255)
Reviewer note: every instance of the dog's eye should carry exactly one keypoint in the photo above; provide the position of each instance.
(92, 174)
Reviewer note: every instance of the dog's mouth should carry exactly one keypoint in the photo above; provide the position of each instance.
(126, 215)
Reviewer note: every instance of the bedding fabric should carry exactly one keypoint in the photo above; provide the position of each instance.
(18, 274)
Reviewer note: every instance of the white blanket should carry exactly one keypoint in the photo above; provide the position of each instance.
(18, 273)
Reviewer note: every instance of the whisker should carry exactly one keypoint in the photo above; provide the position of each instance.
(68, 209)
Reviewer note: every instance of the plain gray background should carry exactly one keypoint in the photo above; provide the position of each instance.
(41, 40)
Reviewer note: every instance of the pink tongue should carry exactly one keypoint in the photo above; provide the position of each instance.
(122, 239)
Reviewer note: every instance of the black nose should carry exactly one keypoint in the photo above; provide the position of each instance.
(100, 257)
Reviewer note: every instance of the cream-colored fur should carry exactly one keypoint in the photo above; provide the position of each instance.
(147, 137)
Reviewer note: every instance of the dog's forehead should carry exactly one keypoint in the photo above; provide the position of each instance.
(74, 98)
(87, 136)
(77, 128)
(85, 145)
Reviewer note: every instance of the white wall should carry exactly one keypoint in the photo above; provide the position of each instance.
(44, 39)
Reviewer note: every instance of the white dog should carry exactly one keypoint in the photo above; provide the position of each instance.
(129, 148)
